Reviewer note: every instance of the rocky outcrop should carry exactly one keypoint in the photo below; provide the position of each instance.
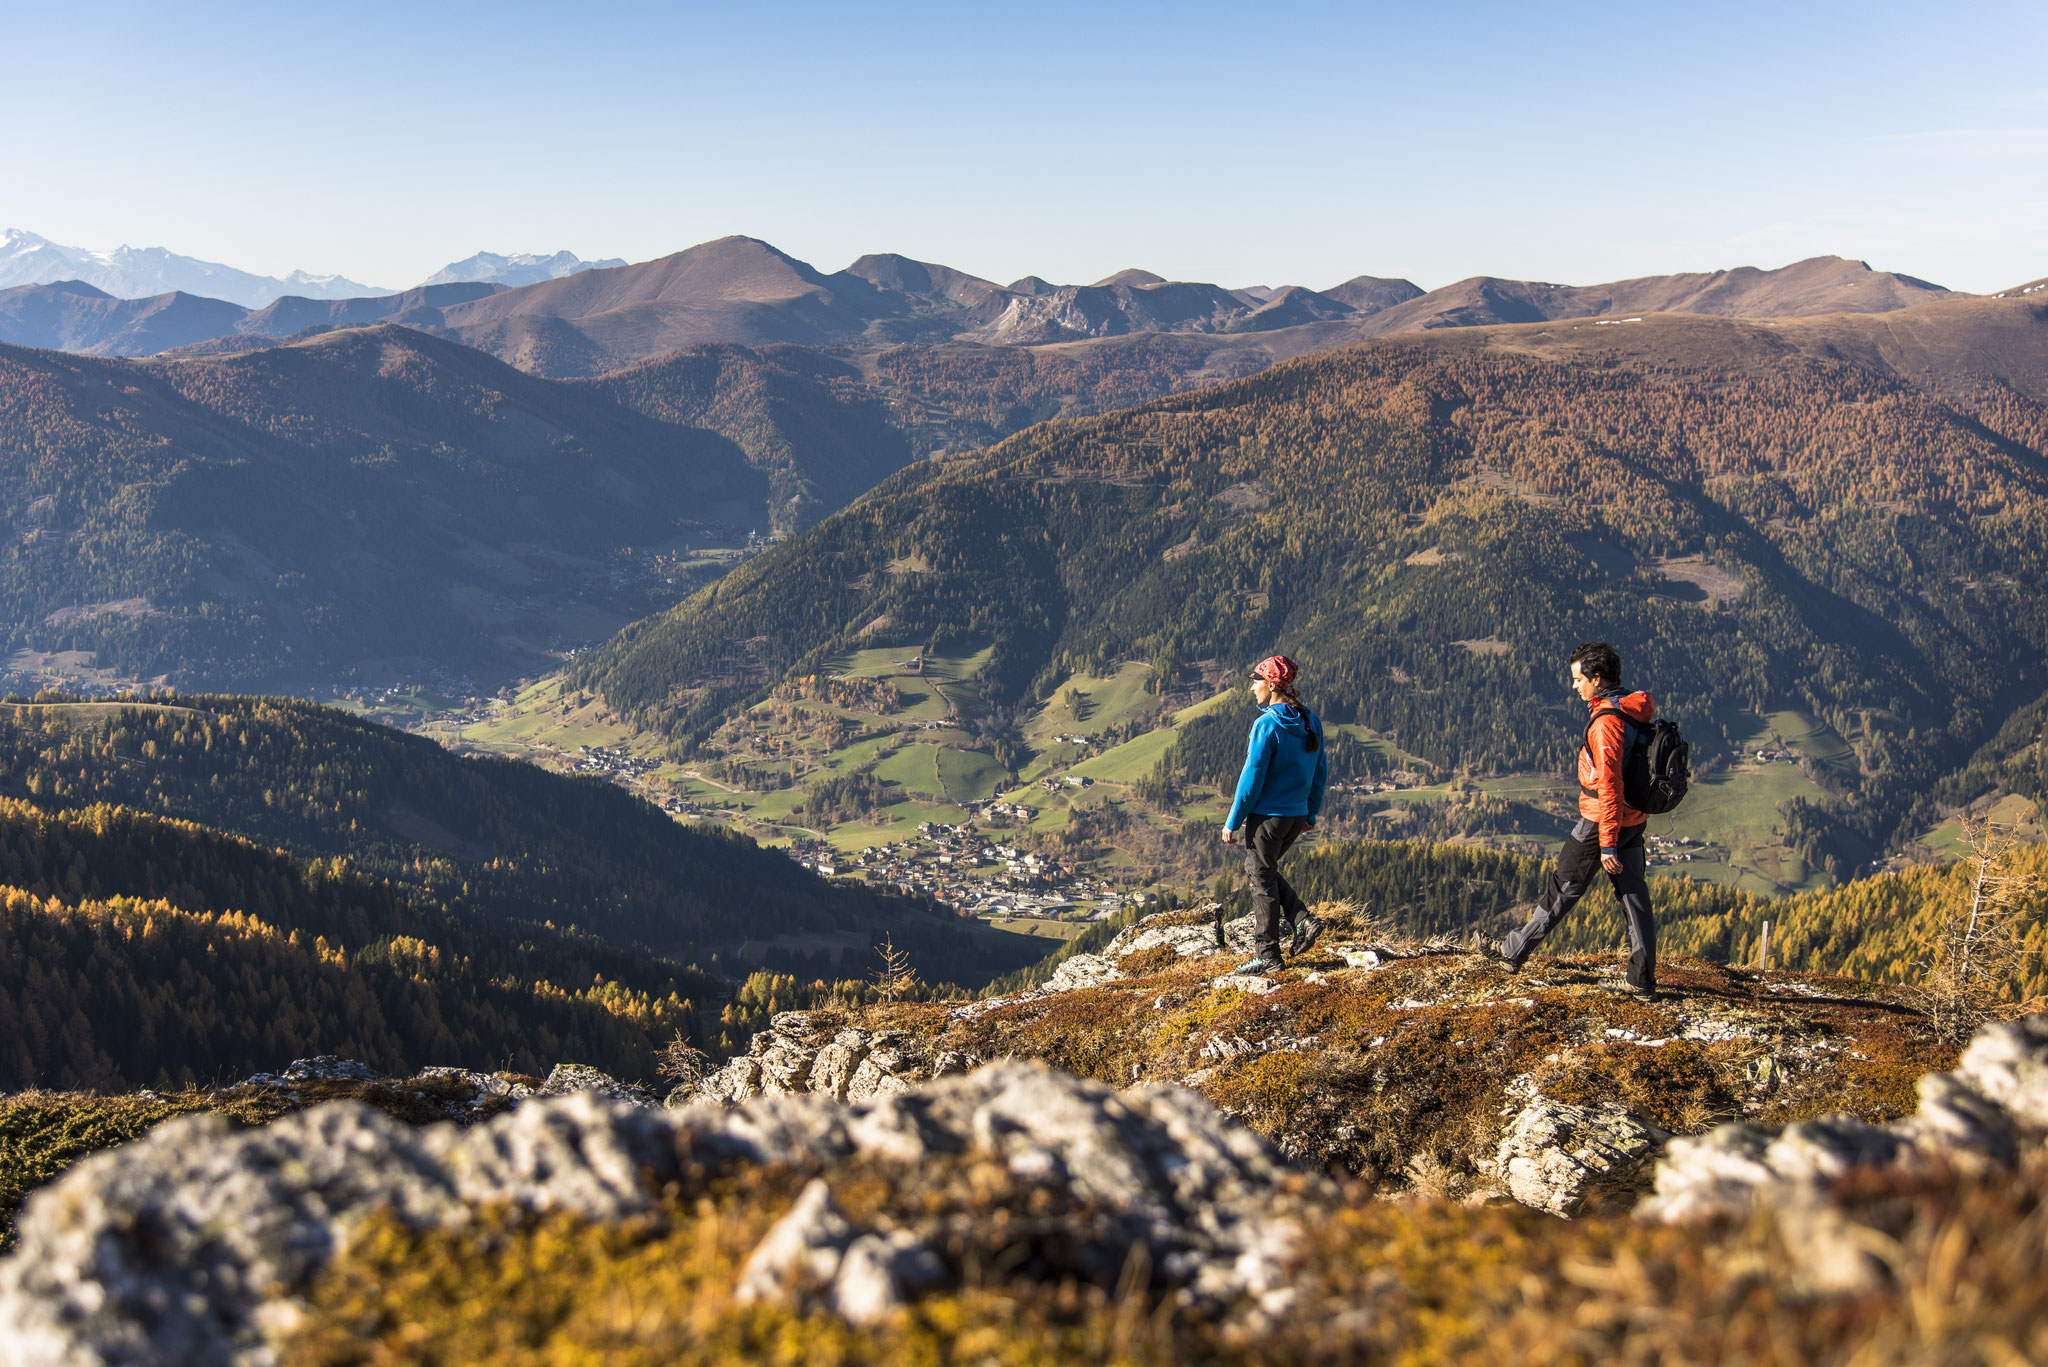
(566, 1078)
(1556, 1157)
(189, 1246)
(795, 1056)
(174, 1248)
(1976, 1115)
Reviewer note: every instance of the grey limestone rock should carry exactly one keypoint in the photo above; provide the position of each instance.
(485, 1084)
(190, 1245)
(2008, 1063)
(814, 1254)
(328, 1068)
(1556, 1156)
(567, 1078)
(833, 1069)
(1976, 1115)
(791, 1058)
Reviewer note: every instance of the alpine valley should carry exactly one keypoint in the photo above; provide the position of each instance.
(668, 812)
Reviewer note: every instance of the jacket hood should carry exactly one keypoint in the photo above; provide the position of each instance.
(1290, 718)
(1637, 706)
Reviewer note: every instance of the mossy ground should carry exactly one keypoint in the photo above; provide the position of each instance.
(1366, 1070)
(1409, 1282)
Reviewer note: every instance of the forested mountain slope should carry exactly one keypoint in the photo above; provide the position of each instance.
(1756, 513)
(495, 839)
(141, 951)
(373, 502)
(294, 515)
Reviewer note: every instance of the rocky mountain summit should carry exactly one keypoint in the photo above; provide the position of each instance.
(1146, 1154)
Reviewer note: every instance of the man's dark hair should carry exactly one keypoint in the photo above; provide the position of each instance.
(1597, 658)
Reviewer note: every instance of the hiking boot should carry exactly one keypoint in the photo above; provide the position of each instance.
(1623, 988)
(1258, 967)
(1286, 930)
(1492, 953)
(1305, 936)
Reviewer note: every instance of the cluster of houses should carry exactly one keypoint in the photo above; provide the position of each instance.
(960, 868)
(400, 699)
(1679, 849)
(605, 759)
(1001, 812)
(1776, 757)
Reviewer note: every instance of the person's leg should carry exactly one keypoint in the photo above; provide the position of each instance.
(1632, 887)
(1290, 901)
(1262, 843)
(1565, 885)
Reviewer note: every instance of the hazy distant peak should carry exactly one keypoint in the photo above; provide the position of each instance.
(924, 279)
(129, 272)
(77, 287)
(1130, 276)
(1031, 284)
(1371, 293)
(518, 268)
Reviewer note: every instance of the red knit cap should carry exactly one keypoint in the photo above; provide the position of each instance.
(1278, 671)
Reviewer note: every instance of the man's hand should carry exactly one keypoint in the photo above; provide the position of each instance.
(1311, 823)
(1611, 863)
(1229, 836)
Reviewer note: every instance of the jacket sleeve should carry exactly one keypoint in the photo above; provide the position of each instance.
(1607, 742)
(1250, 783)
(1321, 779)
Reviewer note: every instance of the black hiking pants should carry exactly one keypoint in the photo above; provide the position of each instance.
(1568, 882)
(1266, 839)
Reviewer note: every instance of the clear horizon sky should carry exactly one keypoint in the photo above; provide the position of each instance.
(1291, 143)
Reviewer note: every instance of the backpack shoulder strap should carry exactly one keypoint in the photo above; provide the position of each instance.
(1609, 711)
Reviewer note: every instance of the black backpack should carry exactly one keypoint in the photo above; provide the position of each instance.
(1657, 769)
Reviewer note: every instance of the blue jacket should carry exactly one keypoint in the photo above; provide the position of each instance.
(1282, 776)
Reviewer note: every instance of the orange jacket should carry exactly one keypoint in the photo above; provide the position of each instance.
(1600, 760)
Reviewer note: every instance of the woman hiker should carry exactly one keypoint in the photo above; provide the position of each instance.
(1278, 797)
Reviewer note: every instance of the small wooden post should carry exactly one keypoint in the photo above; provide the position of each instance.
(1764, 954)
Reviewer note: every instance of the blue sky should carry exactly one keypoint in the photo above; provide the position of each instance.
(1244, 144)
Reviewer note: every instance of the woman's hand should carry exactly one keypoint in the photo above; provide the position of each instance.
(1229, 836)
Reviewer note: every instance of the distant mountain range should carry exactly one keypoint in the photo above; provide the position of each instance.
(74, 316)
(150, 272)
(579, 318)
(738, 289)
(524, 268)
(143, 272)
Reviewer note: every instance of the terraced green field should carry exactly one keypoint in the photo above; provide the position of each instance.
(1129, 762)
(968, 775)
(1096, 704)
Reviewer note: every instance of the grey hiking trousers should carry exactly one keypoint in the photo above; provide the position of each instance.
(1568, 882)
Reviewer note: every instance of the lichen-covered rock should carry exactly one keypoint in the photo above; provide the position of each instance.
(739, 1080)
(2008, 1063)
(814, 1254)
(188, 1246)
(1973, 1116)
(574, 1077)
(486, 1084)
(792, 1058)
(1555, 1156)
(174, 1249)
(833, 1069)
(328, 1068)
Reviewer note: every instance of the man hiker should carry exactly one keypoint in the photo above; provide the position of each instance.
(1278, 797)
(1609, 833)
